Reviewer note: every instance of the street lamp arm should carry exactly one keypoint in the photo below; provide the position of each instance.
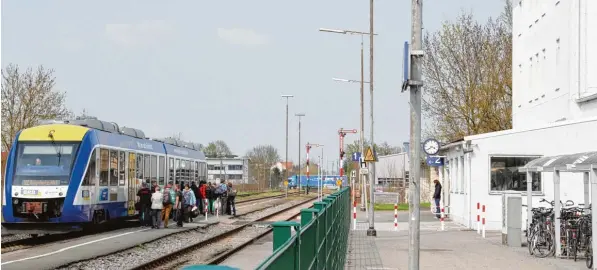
(342, 31)
(347, 80)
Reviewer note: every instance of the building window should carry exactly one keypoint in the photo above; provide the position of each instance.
(121, 167)
(147, 168)
(171, 170)
(177, 171)
(140, 167)
(113, 168)
(235, 167)
(154, 168)
(89, 179)
(162, 172)
(505, 174)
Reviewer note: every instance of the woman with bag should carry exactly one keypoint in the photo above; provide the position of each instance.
(156, 207)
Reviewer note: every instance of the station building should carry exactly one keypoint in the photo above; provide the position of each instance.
(233, 169)
(554, 112)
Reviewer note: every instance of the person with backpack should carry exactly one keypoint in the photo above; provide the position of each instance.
(221, 192)
(230, 205)
(189, 200)
(209, 192)
(195, 190)
(169, 199)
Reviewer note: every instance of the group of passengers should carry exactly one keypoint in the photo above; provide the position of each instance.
(183, 202)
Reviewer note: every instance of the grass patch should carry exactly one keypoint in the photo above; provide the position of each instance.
(401, 207)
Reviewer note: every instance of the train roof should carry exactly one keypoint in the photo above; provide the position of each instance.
(112, 134)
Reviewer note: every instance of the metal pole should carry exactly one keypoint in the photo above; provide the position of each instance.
(415, 136)
(299, 160)
(321, 179)
(371, 231)
(362, 127)
(286, 160)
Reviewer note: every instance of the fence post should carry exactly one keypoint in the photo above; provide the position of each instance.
(330, 230)
(282, 232)
(323, 228)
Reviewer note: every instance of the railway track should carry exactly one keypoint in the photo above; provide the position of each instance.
(217, 248)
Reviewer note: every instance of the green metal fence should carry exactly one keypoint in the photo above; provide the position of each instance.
(319, 242)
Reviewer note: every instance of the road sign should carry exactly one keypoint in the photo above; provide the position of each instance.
(370, 155)
(339, 182)
(356, 156)
(353, 173)
(405, 66)
(435, 161)
(365, 171)
(363, 163)
(286, 183)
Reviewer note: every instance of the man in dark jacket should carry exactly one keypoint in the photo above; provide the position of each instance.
(144, 199)
(437, 195)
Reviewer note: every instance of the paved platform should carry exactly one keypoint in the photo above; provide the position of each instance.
(60, 253)
(455, 248)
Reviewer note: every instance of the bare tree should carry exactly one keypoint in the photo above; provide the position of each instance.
(27, 97)
(263, 156)
(217, 148)
(468, 77)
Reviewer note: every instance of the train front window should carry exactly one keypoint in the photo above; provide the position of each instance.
(44, 164)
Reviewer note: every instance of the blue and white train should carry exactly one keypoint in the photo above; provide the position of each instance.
(65, 175)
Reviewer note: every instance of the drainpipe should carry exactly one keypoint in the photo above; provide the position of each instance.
(468, 150)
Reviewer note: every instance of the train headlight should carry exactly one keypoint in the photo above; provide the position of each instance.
(15, 201)
(16, 194)
(60, 194)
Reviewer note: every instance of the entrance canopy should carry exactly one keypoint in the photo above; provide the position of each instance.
(580, 162)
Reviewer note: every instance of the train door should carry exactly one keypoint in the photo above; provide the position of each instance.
(89, 185)
(131, 184)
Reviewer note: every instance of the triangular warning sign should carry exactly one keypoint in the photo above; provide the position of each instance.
(369, 156)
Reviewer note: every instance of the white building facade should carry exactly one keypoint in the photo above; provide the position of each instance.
(235, 170)
(554, 110)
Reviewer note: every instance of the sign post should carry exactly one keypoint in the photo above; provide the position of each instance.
(371, 157)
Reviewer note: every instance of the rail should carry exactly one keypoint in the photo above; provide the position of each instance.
(320, 240)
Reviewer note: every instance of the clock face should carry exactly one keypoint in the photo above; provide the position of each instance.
(431, 147)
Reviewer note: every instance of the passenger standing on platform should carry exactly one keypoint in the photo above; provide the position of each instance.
(195, 190)
(202, 197)
(157, 203)
(221, 193)
(189, 202)
(437, 195)
(144, 199)
(230, 205)
(178, 206)
(209, 192)
(169, 200)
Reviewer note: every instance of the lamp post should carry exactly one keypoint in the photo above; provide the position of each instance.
(299, 115)
(362, 89)
(286, 160)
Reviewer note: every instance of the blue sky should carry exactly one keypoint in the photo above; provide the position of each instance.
(216, 69)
